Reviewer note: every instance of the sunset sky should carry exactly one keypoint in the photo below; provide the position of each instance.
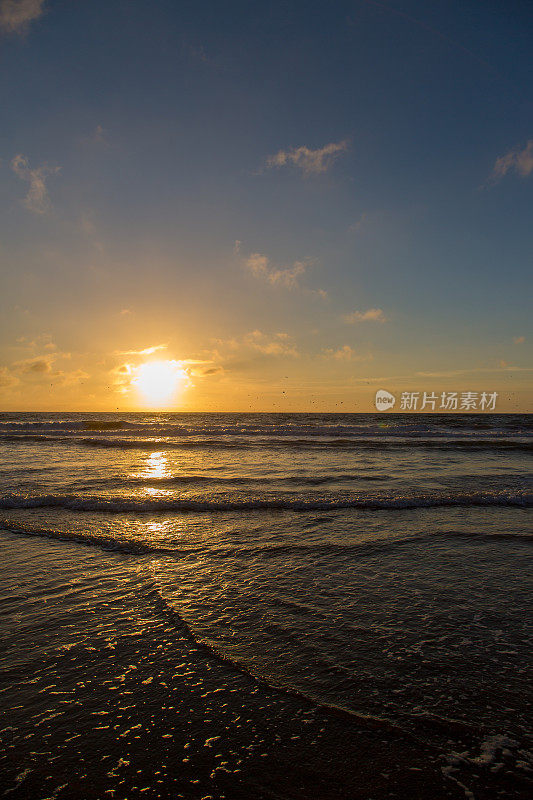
(285, 205)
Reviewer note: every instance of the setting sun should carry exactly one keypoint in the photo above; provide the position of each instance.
(158, 381)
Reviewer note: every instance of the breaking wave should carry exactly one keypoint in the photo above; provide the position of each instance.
(521, 499)
(370, 442)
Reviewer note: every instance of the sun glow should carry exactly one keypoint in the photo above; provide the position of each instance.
(159, 381)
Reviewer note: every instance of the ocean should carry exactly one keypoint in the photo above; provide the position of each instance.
(266, 605)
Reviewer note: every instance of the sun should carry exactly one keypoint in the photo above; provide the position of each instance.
(158, 381)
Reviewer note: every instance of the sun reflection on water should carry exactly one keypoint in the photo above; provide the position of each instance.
(156, 466)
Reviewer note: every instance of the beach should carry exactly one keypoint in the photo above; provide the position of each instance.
(265, 606)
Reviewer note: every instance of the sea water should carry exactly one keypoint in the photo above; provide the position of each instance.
(378, 565)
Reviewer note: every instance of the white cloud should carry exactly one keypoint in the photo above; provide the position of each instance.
(16, 15)
(36, 199)
(260, 266)
(310, 162)
(519, 161)
(370, 315)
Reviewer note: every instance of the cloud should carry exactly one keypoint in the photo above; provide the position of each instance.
(370, 315)
(519, 339)
(36, 199)
(320, 293)
(278, 345)
(260, 266)
(345, 353)
(70, 378)
(373, 221)
(42, 340)
(34, 366)
(96, 137)
(360, 224)
(89, 230)
(502, 367)
(310, 162)
(16, 15)
(519, 161)
(146, 352)
(41, 365)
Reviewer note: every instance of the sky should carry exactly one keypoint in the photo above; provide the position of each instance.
(285, 206)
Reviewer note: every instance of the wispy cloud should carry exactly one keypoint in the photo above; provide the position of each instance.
(36, 199)
(360, 224)
(146, 352)
(309, 161)
(519, 161)
(370, 315)
(320, 293)
(345, 353)
(98, 136)
(89, 230)
(519, 339)
(16, 15)
(261, 267)
(502, 367)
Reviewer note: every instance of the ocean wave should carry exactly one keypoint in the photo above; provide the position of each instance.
(123, 545)
(434, 426)
(156, 444)
(236, 480)
(139, 547)
(119, 505)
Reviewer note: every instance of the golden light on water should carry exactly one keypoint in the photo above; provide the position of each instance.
(159, 381)
(157, 466)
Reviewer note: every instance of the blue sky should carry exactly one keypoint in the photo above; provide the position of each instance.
(295, 199)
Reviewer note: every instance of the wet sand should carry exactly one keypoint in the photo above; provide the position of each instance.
(123, 704)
